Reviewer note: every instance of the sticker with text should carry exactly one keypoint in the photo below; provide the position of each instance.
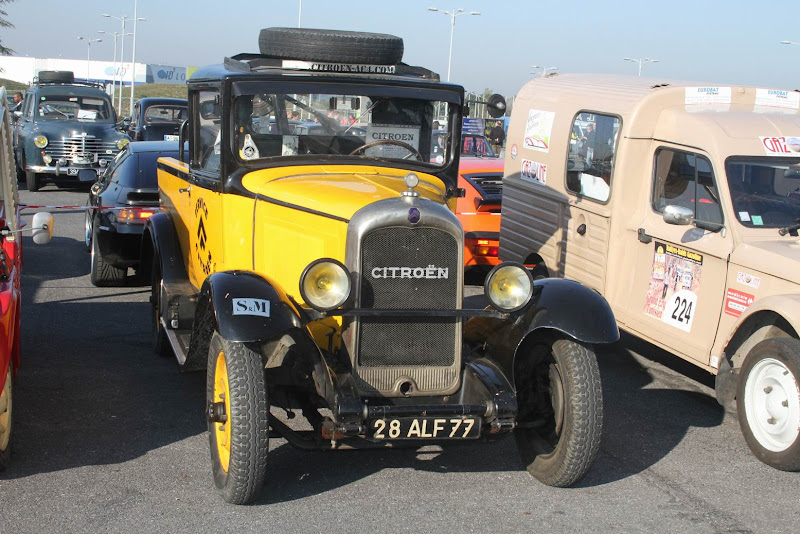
(781, 146)
(538, 129)
(777, 98)
(258, 307)
(748, 280)
(534, 172)
(514, 151)
(707, 95)
(736, 302)
(674, 285)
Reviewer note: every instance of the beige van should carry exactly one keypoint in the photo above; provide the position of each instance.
(680, 203)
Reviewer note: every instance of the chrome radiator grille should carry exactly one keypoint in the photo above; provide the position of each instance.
(408, 268)
(68, 147)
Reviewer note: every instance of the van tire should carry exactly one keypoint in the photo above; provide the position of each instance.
(338, 46)
(768, 402)
(560, 419)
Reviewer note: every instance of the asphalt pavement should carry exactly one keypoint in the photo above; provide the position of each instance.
(111, 438)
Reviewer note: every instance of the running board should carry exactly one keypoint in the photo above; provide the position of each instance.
(179, 342)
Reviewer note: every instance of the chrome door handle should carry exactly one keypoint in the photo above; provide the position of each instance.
(185, 189)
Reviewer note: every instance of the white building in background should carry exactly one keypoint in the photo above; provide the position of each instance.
(25, 69)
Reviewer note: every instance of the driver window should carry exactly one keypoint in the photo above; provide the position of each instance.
(686, 180)
(208, 151)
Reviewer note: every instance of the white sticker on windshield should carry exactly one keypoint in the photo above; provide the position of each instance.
(290, 145)
(744, 216)
(389, 137)
(87, 114)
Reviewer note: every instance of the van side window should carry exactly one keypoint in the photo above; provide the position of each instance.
(686, 180)
(592, 144)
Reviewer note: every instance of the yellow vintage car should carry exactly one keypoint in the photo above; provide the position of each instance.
(307, 256)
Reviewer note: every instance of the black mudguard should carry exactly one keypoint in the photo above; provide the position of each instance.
(160, 240)
(557, 305)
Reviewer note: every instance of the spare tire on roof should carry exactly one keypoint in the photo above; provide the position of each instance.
(338, 46)
(56, 76)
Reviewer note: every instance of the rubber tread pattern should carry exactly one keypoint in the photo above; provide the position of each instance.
(579, 442)
(102, 273)
(308, 44)
(249, 420)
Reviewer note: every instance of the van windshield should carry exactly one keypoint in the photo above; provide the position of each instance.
(765, 191)
(353, 125)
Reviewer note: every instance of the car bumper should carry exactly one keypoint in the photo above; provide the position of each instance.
(80, 173)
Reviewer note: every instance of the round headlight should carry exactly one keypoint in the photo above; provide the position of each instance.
(40, 141)
(509, 286)
(325, 284)
(122, 143)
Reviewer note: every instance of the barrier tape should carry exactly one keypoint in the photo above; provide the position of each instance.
(135, 208)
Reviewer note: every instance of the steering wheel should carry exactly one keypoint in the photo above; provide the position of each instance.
(413, 151)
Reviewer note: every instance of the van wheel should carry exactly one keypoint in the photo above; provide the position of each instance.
(6, 419)
(331, 45)
(560, 410)
(102, 273)
(161, 344)
(32, 181)
(238, 419)
(768, 402)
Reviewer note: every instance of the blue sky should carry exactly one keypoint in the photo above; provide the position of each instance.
(731, 42)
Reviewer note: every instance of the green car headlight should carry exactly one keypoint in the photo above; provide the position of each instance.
(325, 284)
(122, 143)
(509, 286)
(40, 141)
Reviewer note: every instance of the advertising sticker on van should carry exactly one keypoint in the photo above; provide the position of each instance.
(777, 98)
(736, 302)
(538, 129)
(534, 172)
(707, 95)
(781, 146)
(674, 285)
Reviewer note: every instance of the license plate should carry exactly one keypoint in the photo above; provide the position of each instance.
(425, 428)
(169, 137)
(72, 172)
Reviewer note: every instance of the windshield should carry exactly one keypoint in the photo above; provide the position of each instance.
(765, 191)
(90, 109)
(390, 126)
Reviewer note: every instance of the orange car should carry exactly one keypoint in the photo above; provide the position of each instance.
(479, 210)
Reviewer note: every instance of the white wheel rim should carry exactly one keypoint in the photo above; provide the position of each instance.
(772, 405)
(5, 415)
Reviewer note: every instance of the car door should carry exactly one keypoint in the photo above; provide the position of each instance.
(679, 273)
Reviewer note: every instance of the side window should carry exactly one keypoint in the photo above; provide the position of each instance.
(687, 180)
(208, 136)
(592, 144)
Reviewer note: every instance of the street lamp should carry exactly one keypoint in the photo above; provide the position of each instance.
(133, 55)
(88, 51)
(544, 69)
(453, 13)
(116, 70)
(122, 19)
(640, 61)
(300, 15)
(789, 42)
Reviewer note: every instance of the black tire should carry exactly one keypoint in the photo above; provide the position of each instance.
(102, 273)
(161, 344)
(331, 45)
(246, 425)
(32, 181)
(7, 420)
(768, 402)
(560, 410)
(56, 76)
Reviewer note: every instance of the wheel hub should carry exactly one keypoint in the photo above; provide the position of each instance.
(772, 405)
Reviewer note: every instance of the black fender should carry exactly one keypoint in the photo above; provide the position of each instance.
(160, 240)
(557, 305)
(247, 307)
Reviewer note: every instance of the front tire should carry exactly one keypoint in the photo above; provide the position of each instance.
(768, 402)
(102, 273)
(238, 419)
(32, 181)
(560, 410)
(6, 419)
(161, 344)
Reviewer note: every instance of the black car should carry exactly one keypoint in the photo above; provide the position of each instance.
(157, 119)
(65, 131)
(127, 195)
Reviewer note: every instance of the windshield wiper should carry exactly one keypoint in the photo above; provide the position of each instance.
(791, 229)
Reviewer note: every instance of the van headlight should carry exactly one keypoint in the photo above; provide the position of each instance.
(325, 284)
(509, 286)
(40, 141)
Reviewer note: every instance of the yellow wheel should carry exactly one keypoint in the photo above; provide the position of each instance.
(6, 419)
(238, 419)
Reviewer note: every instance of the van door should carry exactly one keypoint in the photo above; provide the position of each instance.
(678, 280)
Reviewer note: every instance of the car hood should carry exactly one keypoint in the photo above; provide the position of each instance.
(57, 130)
(780, 257)
(339, 191)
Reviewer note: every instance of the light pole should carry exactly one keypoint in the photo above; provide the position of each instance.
(544, 69)
(300, 15)
(88, 51)
(453, 13)
(122, 19)
(640, 61)
(133, 55)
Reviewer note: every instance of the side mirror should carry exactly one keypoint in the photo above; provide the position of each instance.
(678, 215)
(210, 110)
(42, 227)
